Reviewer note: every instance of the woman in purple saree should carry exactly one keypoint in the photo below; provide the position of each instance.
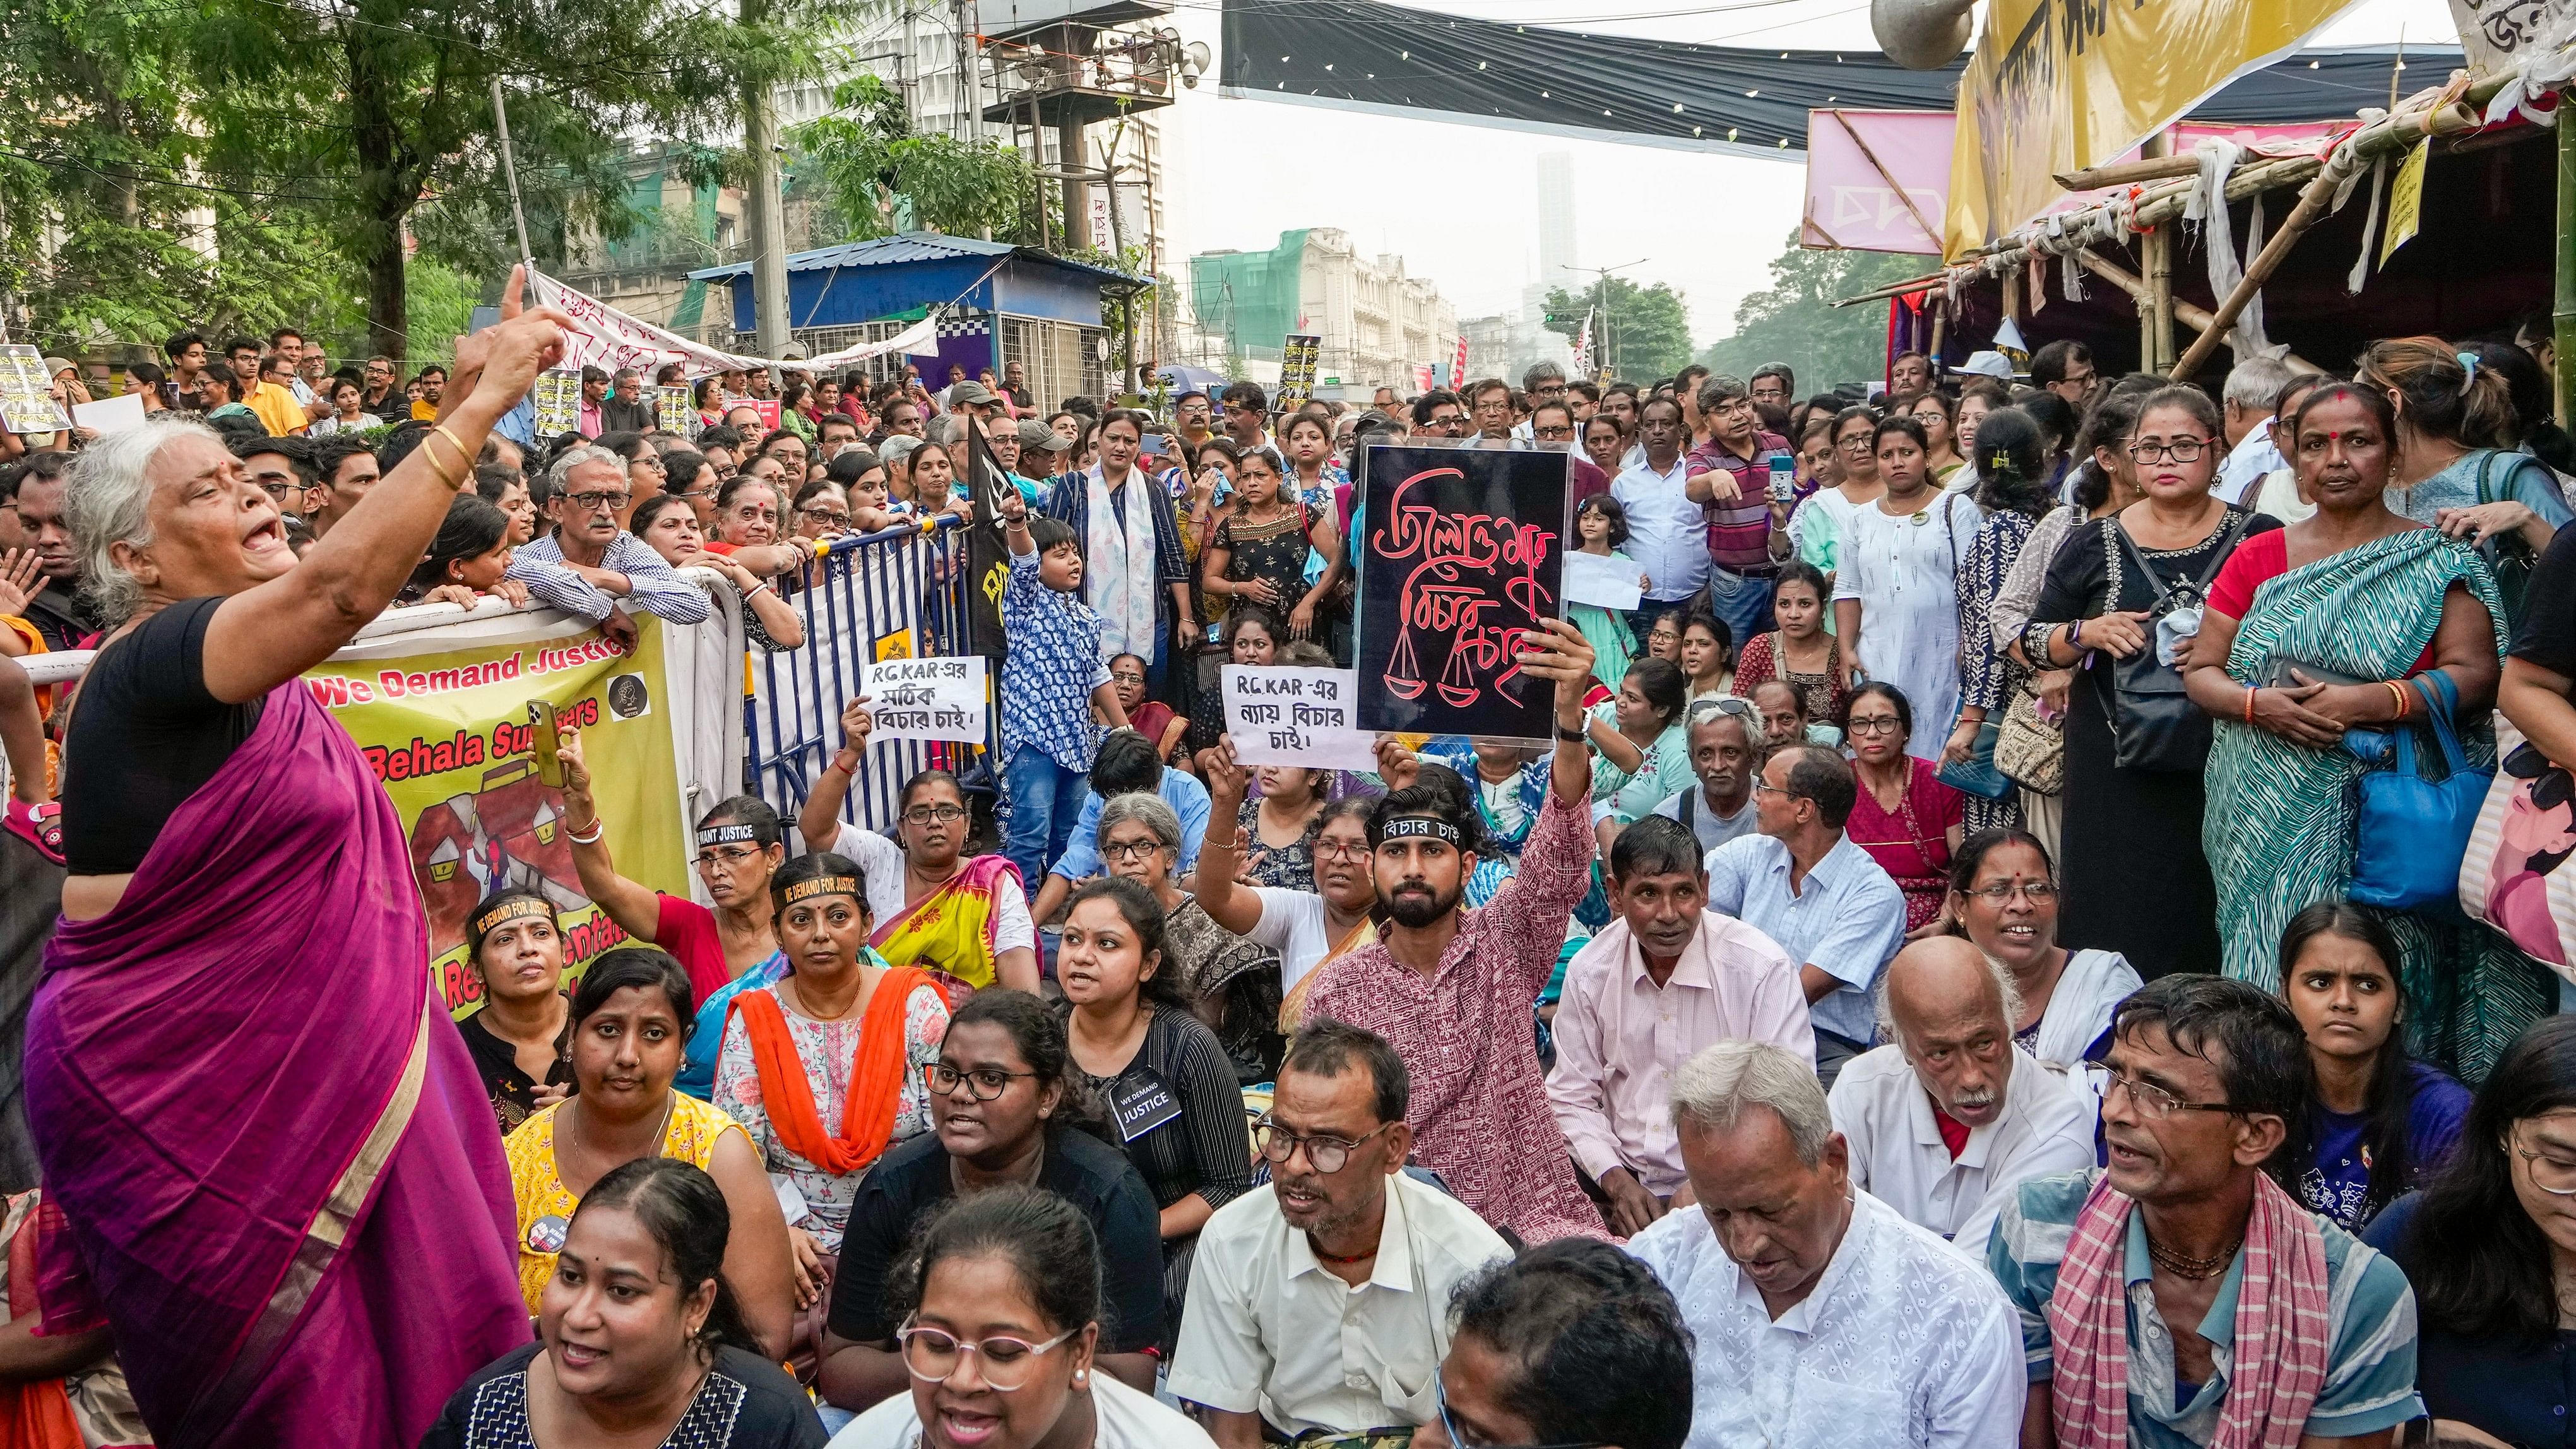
(275, 1164)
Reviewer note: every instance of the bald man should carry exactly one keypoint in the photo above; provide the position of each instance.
(1949, 1117)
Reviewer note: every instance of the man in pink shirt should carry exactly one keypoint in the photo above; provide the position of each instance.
(1451, 989)
(1665, 980)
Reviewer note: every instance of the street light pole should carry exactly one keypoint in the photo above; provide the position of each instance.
(1609, 352)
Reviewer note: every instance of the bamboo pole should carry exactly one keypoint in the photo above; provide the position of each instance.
(2128, 173)
(2188, 313)
(2393, 134)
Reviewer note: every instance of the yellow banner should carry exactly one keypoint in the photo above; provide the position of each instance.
(2059, 85)
(448, 734)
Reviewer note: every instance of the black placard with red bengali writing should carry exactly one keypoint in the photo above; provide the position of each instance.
(1462, 550)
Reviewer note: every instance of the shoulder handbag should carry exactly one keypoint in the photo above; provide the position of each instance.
(1978, 775)
(2154, 725)
(2508, 555)
(2413, 831)
(2030, 750)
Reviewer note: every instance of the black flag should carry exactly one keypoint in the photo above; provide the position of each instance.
(987, 558)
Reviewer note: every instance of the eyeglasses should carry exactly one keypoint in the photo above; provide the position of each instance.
(725, 855)
(2181, 450)
(2152, 1101)
(833, 517)
(1326, 1155)
(1552, 431)
(983, 1083)
(2551, 1175)
(2037, 892)
(1341, 850)
(277, 491)
(595, 502)
(935, 814)
(931, 1355)
(1440, 1390)
(1126, 677)
(1884, 724)
(1131, 850)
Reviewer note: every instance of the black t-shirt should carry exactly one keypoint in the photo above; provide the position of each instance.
(144, 735)
(1085, 1171)
(2548, 636)
(743, 1403)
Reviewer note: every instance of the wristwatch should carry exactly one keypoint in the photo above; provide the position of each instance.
(1575, 736)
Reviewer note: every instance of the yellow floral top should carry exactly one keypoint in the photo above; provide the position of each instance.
(691, 1138)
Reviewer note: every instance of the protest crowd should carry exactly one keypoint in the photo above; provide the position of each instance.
(1977, 963)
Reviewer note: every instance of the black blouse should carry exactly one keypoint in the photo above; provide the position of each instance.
(1205, 1149)
(743, 1403)
(2079, 582)
(2518, 1389)
(512, 1094)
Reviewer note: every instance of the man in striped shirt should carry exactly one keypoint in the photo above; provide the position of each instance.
(1730, 478)
(2152, 1271)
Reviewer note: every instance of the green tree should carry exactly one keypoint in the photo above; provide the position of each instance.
(863, 155)
(1794, 320)
(1641, 332)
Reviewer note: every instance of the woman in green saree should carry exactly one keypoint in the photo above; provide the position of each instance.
(2356, 592)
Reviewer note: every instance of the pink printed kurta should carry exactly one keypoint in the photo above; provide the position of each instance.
(1479, 1105)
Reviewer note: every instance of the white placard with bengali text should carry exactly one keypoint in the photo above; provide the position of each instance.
(1279, 715)
(939, 698)
(1606, 582)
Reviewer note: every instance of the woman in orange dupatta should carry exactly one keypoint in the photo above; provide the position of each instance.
(823, 1066)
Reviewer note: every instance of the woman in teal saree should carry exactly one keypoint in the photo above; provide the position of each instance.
(2356, 592)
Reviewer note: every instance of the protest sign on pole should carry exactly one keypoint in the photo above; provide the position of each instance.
(675, 410)
(1297, 355)
(1280, 715)
(1462, 552)
(939, 698)
(558, 403)
(448, 734)
(1422, 377)
(1458, 365)
(25, 397)
(988, 559)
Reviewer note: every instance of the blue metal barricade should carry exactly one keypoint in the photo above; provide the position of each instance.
(891, 594)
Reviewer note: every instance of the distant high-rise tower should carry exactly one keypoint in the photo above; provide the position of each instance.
(1556, 221)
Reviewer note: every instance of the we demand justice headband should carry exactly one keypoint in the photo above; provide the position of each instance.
(1426, 826)
(727, 835)
(821, 885)
(519, 909)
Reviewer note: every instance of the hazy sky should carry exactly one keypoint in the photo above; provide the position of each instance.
(1242, 171)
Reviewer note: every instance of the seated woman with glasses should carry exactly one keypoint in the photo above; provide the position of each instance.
(1005, 1111)
(821, 1066)
(2003, 898)
(2382, 1122)
(1233, 982)
(962, 918)
(2490, 1245)
(1169, 1085)
(1002, 1339)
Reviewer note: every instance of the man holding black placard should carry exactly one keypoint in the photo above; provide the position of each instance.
(1451, 990)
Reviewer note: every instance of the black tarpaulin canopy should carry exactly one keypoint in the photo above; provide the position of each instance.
(1358, 55)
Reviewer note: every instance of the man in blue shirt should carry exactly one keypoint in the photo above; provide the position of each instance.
(1125, 765)
(1802, 882)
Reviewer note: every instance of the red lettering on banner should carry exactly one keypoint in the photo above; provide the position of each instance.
(588, 938)
(333, 691)
(1440, 597)
(425, 757)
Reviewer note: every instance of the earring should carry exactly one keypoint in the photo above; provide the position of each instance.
(1080, 1378)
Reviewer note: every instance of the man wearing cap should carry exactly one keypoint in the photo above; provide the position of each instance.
(971, 398)
(1043, 451)
(1451, 989)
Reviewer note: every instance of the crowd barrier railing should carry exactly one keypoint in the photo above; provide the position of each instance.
(896, 593)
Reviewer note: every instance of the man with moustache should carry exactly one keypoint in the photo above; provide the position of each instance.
(1451, 988)
(1322, 1306)
(1949, 1118)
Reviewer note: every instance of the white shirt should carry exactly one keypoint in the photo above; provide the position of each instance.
(2246, 463)
(881, 861)
(1902, 1342)
(1897, 1153)
(1122, 1418)
(1293, 923)
(1268, 1329)
(1667, 533)
(2278, 495)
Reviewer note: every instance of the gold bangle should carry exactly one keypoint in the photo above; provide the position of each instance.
(452, 483)
(464, 454)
